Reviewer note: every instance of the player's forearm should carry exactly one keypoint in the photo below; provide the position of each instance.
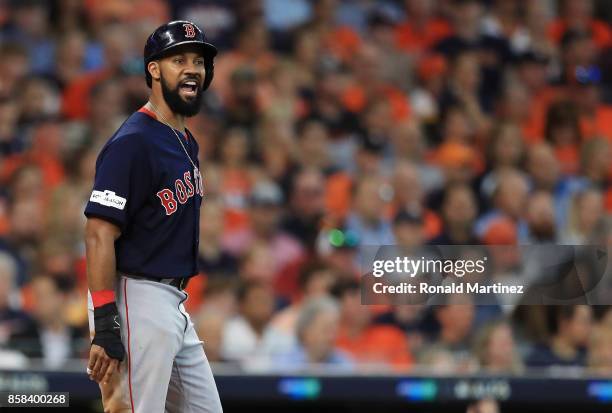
(100, 252)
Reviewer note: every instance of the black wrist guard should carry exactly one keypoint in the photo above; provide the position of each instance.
(108, 331)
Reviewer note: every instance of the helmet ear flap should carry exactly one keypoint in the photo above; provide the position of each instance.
(210, 72)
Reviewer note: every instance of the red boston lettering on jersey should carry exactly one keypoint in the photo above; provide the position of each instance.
(167, 199)
(197, 178)
(189, 30)
(187, 178)
(181, 192)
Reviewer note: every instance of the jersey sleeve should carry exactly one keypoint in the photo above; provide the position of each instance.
(122, 182)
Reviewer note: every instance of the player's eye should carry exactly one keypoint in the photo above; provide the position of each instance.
(178, 60)
(199, 62)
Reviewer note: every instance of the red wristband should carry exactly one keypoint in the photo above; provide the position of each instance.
(102, 297)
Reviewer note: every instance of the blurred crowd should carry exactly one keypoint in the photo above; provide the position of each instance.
(330, 125)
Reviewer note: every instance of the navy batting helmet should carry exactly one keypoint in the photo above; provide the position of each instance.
(178, 33)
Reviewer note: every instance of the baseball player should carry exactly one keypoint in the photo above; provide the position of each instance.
(142, 240)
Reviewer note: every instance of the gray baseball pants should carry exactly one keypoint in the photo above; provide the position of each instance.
(165, 369)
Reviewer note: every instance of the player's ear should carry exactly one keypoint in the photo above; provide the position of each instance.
(153, 68)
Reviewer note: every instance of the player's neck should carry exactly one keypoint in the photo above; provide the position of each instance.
(165, 114)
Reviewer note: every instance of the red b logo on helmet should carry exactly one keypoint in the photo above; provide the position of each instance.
(189, 30)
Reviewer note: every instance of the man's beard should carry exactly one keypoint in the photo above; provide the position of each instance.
(177, 104)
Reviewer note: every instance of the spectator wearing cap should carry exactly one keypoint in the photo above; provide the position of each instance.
(531, 71)
(47, 336)
(265, 208)
(466, 36)
(316, 331)
(570, 327)
(459, 164)
(459, 211)
(408, 229)
(374, 344)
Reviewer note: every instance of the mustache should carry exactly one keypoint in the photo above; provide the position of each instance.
(196, 78)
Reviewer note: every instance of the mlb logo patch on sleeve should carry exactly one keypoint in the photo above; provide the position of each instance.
(108, 198)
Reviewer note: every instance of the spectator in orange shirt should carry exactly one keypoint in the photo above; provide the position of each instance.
(236, 177)
(563, 132)
(422, 29)
(368, 84)
(340, 41)
(384, 345)
(409, 196)
(117, 46)
(531, 70)
(578, 15)
(585, 90)
(252, 50)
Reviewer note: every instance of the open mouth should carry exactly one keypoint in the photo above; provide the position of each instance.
(189, 88)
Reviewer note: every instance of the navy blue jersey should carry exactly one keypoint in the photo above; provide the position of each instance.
(146, 185)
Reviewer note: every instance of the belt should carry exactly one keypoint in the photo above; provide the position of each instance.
(179, 283)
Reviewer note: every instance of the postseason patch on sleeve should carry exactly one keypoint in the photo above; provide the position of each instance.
(108, 198)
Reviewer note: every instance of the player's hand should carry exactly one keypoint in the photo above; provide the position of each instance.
(106, 348)
(101, 367)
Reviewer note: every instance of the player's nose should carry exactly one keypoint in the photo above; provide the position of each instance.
(192, 68)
